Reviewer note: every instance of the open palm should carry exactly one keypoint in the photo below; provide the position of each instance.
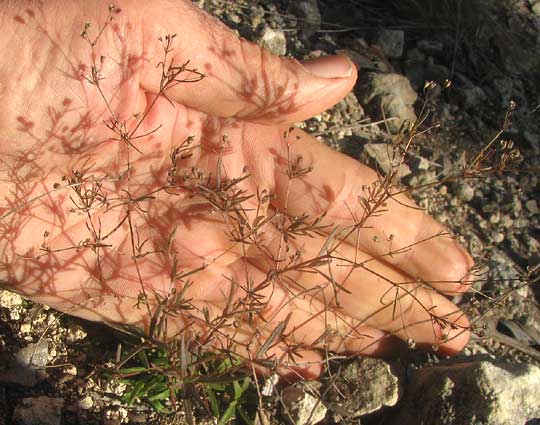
(154, 180)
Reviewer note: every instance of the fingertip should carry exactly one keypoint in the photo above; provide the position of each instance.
(307, 365)
(458, 276)
(321, 83)
(441, 261)
(449, 332)
(457, 337)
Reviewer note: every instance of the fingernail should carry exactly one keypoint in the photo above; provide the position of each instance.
(329, 66)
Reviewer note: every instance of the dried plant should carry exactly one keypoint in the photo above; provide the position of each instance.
(194, 350)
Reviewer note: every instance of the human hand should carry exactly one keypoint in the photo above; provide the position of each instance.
(143, 190)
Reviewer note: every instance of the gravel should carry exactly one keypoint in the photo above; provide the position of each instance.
(496, 217)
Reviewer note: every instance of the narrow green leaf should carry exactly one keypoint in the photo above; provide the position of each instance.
(158, 406)
(244, 415)
(214, 404)
(137, 390)
(163, 395)
(132, 370)
(237, 390)
(143, 358)
(229, 414)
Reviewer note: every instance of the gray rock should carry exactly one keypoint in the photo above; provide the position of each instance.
(389, 96)
(391, 42)
(495, 217)
(504, 88)
(465, 192)
(27, 368)
(415, 71)
(532, 206)
(39, 411)
(302, 407)
(34, 356)
(350, 106)
(437, 73)
(474, 392)
(364, 61)
(498, 237)
(274, 41)
(430, 47)
(309, 16)
(506, 221)
(416, 55)
(364, 386)
(419, 163)
(472, 97)
(422, 178)
(383, 154)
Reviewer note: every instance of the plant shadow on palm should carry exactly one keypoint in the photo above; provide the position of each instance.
(226, 244)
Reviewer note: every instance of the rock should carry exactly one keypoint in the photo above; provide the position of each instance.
(309, 16)
(86, 402)
(364, 386)
(506, 221)
(422, 178)
(521, 222)
(430, 47)
(347, 14)
(383, 154)
(391, 42)
(388, 95)
(76, 333)
(472, 97)
(478, 391)
(351, 107)
(302, 407)
(27, 368)
(364, 61)
(504, 88)
(465, 192)
(495, 217)
(416, 55)
(415, 72)
(39, 411)
(137, 418)
(10, 299)
(437, 73)
(532, 206)
(419, 163)
(34, 356)
(498, 237)
(274, 41)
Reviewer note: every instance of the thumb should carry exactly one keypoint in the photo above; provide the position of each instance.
(240, 80)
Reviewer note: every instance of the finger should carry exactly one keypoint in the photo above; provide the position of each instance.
(240, 79)
(368, 290)
(276, 316)
(307, 365)
(395, 230)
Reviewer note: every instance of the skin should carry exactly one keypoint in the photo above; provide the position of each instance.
(391, 277)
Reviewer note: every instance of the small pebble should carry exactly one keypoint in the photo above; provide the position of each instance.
(532, 206)
(498, 237)
(86, 403)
